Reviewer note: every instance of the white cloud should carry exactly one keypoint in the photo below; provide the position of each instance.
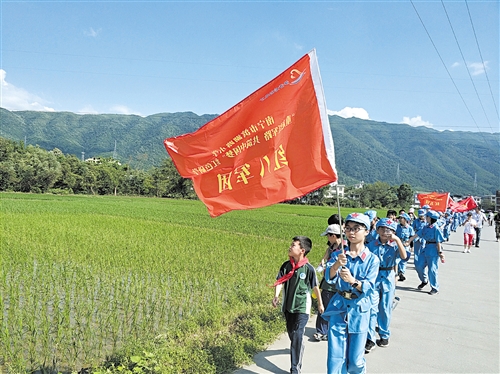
(455, 65)
(122, 109)
(477, 68)
(349, 112)
(87, 109)
(92, 33)
(417, 121)
(15, 98)
(298, 46)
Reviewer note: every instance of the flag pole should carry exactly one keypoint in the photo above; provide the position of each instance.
(340, 216)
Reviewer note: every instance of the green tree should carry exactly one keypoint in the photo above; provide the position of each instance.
(37, 170)
(405, 195)
(167, 182)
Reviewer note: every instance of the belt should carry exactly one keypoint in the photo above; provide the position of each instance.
(347, 295)
(389, 268)
(430, 242)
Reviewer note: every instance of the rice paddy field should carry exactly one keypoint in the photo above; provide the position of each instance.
(121, 284)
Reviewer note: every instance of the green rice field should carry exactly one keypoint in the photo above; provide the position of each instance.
(110, 284)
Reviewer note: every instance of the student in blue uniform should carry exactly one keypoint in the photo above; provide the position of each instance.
(455, 221)
(432, 252)
(447, 226)
(388, 248)
(418, 244)
(404, 231)
(372, 235)
(327, 290)
(354, 271)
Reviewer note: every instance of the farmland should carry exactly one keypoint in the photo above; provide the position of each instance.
(140, 283)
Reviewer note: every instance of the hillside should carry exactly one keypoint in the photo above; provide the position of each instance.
(365, 150)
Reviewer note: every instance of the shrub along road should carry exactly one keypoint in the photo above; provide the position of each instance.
(455, 331)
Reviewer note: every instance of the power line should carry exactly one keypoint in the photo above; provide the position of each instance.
(465, 64)
(444, 65)
(482, 60)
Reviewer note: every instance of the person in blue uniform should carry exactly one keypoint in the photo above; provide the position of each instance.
(404, 231)
(432, 252)
(455, 221)
(327, 290)
(388, 248)
(418, 244)
(372, 235)
(353, 270)
(447, 226)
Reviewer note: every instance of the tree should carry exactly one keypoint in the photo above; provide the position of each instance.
(405, 195)
(37, 170)
(167, 182)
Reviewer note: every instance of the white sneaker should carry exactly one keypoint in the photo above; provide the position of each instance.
(468, 251)
(464, 251)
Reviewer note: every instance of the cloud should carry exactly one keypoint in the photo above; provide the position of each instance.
(122, 109)
(298, 46)
(455, 65)
(417, 121)
(349, 112)
(477, 68)
(15, 98)
(87, 109)
(91, 32)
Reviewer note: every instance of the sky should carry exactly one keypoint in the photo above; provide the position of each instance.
(423, 63)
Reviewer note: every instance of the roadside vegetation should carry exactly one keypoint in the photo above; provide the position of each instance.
(33, 169)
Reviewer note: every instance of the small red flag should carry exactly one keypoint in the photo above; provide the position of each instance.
(274, 145)
(463, 205)
(436, 200)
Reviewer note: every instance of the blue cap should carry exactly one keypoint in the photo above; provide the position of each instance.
(433, 214)
(387, 222)
(359, 218)
(426, 207)
(372, 214)
(421, 212)
(405, 216)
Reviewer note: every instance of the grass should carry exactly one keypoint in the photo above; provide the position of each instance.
(138, 284)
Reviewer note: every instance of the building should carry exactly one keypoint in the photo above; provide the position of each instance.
(331, 192)
(497, 203)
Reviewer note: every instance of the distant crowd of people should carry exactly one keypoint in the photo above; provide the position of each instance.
(365, 258)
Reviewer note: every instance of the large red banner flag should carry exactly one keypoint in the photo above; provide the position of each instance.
(436, 200)
(274, 145)
(463, 205)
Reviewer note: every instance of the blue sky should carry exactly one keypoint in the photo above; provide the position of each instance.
(376, 58)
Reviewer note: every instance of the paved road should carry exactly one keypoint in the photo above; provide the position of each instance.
(455, 331)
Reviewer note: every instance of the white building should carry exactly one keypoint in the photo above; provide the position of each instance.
(331, 192)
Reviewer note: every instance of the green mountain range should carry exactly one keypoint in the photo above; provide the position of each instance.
(459, 162)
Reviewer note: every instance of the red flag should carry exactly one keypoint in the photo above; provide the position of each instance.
(274, 145)
(463, 205)
(436, 200)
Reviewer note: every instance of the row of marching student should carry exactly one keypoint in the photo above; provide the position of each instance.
(356, 296)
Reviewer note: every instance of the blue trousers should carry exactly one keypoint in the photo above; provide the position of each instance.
(382, 314)
(296, 326)
(431, 262)
(401, 267)
(345, 350)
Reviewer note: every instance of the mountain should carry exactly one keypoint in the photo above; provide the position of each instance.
(368, 151)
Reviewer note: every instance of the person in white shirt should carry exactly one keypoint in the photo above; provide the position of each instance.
(469, 231)
(479, 217)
